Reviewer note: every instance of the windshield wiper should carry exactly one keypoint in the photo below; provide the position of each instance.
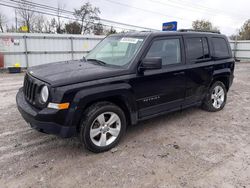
(97, 61)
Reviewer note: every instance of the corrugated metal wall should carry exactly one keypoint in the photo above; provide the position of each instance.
(35, 49)
(241, 49)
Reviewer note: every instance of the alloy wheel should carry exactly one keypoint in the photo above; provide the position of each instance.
(105, 129)
(218, 97)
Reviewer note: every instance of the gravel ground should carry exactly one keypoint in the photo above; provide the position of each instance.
(191, 148)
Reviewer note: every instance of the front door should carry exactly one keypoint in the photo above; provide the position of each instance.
(159, 91)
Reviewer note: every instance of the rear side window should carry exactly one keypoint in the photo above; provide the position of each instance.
(168, 49)
(220, 48)
(197, 49)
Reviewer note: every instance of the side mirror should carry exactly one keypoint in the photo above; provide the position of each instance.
(83, 59)
(150, 64)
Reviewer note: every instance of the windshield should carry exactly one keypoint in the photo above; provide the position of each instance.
(116, 50)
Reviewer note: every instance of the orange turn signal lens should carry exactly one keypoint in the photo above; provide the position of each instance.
(63, 106)
(60, 106)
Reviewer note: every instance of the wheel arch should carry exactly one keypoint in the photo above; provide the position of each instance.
(222, 78)
(119, 95)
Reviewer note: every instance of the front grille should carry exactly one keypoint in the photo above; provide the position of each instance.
(30, 89)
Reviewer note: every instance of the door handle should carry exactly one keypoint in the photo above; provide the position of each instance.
(179, 73)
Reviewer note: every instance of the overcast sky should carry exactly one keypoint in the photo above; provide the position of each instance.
(226, 15)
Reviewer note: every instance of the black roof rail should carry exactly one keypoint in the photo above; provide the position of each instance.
(196, 30)
(145, 31)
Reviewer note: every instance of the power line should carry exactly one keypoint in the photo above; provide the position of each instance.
(17, 3)
(42, 6)
(163, 3)
(145, 10)
(191, 7)
(49, 14)
(159, 2)
(149, 11)
(189, 3)
(53, 11)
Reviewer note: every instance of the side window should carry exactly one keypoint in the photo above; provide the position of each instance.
(197, 49)
(168, 49)
(220, 47)
(194, 49)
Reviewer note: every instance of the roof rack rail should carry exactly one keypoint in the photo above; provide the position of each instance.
(146, 31)
(196, 30)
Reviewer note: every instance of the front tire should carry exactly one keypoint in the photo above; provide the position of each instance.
(216, 97)
(102, 126)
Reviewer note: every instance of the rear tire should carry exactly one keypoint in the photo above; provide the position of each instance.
(216, 97)
(102, 126)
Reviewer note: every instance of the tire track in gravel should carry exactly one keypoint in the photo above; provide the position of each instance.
(11, 151)
(15, 132)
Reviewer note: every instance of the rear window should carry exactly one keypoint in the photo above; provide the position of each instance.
(220, 48)
(197, 49)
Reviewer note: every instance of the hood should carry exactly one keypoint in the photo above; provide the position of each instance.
(70, 72)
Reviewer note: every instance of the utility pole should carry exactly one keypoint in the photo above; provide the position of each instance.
(236, 44)
(16, 20)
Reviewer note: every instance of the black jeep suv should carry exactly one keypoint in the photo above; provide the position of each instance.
(127, 78)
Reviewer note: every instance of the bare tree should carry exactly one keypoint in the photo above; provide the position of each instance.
(204, 25)
(110, 31)
(50, 26)
(47, 27)
(87, 15)
(245, 31)
(234, 37)
(26, 14)
(98, 29)
(11, 29)
(39, 23)
(3, 20)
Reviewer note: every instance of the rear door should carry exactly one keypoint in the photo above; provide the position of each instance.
(199, 72)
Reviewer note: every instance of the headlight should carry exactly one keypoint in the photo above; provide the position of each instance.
(44, 94)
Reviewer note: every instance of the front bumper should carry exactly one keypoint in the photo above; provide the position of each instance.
(42, 120)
